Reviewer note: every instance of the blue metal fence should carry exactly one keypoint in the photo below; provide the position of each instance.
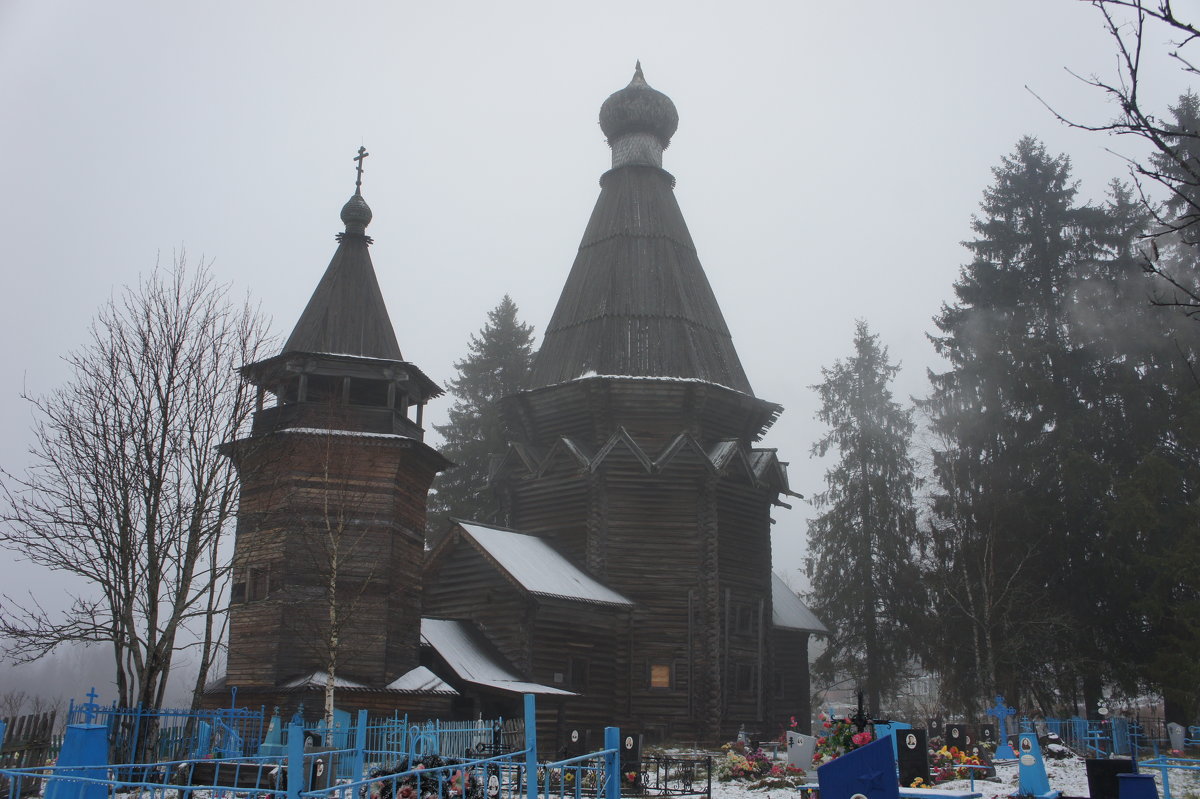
(386, 760)
(166, 734)
(1104, 737)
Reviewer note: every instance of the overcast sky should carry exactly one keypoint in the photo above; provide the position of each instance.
(828, 160)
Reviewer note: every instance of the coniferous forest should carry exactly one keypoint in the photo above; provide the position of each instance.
(1055, 552)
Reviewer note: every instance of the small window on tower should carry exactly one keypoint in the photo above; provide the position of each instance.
(258, 583)
(660, 675)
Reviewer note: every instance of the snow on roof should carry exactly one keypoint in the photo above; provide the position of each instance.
(320, 679)
(591, 374)
(421, 680)
(467, 653)
(537, 567)
(320, 431)
(789, 612)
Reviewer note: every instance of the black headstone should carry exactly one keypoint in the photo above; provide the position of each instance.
(987, 734)
(960, 735)
(631, 752)
(934, 726)
(985, 759)
(912, 755)
(576, 743)
(1102, 776)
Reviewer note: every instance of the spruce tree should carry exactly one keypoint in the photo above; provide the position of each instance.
(861, 560)
(1013, 479)
(1063, 393)
(495, 366)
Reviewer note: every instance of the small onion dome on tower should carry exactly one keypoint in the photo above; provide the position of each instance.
(639, 122)
(356, 215)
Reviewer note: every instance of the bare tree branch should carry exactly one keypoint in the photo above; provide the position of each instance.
(126, 490)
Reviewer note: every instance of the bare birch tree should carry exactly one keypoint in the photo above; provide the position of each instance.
(127, 492)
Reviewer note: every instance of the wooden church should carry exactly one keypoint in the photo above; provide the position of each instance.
(632, 582)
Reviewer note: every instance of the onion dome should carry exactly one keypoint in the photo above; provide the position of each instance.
(639, 109)
(356, 214)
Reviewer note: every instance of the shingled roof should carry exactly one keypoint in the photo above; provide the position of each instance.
(346, 314)
(637, 301)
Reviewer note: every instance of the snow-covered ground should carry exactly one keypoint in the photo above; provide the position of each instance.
(1068, 776)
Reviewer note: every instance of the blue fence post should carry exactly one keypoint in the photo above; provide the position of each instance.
(612, 763)
(360, 746)
(531, 780)
(295, 760)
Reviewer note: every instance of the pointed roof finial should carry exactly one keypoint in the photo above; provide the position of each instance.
(362, 153)
(638, 108)
(356, 214)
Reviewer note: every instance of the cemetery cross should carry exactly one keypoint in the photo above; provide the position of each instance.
(1001, 713)
(860, 717)
(89, 710)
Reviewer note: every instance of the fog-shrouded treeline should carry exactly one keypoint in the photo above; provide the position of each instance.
(1057, 547)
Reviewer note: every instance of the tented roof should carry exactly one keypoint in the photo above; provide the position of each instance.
(347, 314)
(789, 612)
(637, 301)
(474, 660)
(539, 568)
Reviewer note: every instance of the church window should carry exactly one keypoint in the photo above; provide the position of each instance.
(660, 675)
(258, 583)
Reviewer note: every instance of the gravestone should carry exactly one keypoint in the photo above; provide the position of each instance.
(985, 759)
(800, 750)
(1136, 786)
(576, 741)
(83, 745)
(959, 735)
(935, 727)
(1031, 769)
(1176, 733)
(912, 755)
(987, 734)
(868, 771)
(272, 745)
(1102, 776)
(631, 752)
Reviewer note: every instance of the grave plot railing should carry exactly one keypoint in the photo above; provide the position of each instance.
(673, 776)
(444, 738)
(152, 734)
(597, 774)
(500, 777)
(254, 778)
(1167, 764)
(294, 772)
(1102, 737)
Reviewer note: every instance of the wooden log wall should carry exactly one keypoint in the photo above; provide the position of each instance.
(310, 501)
(463, 584)
(791, 691)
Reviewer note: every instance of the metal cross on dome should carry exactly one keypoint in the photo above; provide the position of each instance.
(362, 153)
